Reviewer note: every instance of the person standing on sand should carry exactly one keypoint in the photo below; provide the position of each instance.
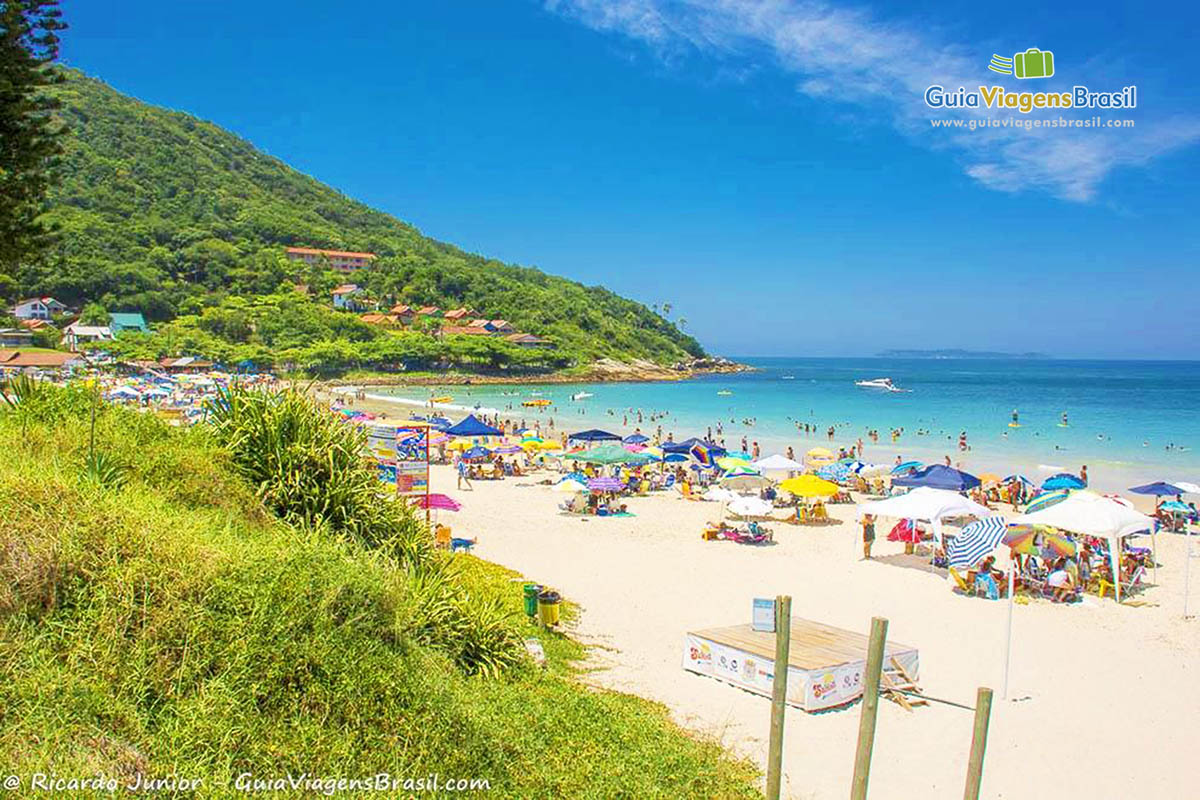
(868, 526)
(756, 451)
(1083, 474)
(462, 474)
(791, 454)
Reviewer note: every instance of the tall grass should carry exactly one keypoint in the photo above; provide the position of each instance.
(174, 624)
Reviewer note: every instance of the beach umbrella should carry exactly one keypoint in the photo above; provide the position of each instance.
(833, 472)
(809, 486)
(594, 435)
(612, 454)
(720, 495)
(938, 476)
(508, 449)
(438, 501)
(731, 462)
(549, 445)
(1063, 480)
(749, 507)
(605, 484)
(569, 486)
(636, 438)
(744, 481)
(1158, 489)
(1045, 500)
(988, 477)
(476, 452)
(1187, 486)
(819, 456)
(975, 541)
(1037, 540)
(907, 466)
(1018, 477)
(872, 470)
(1176, 507)
(778, 463)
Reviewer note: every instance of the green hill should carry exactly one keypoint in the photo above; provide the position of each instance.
(166, 214)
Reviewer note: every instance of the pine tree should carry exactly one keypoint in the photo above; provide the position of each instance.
(29, 135)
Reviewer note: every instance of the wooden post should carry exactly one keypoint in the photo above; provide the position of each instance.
(783, 644)
(870, 709)
(983, 712)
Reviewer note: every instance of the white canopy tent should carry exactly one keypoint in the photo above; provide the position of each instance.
(1091, 514)
(925, 504)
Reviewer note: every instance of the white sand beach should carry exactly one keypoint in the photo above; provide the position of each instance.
(1098, 695)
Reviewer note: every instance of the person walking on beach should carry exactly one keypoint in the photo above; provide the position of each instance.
(868, 526)
(462, 474)
(756, 451)
(1083, 474)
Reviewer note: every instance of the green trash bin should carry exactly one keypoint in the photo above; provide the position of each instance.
(531, 599)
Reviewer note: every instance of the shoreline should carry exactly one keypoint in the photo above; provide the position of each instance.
(603, 371)
(1107, 475)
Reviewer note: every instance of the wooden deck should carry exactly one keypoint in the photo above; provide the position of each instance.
(813, 645)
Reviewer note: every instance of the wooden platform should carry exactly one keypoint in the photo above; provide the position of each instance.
(825, 663)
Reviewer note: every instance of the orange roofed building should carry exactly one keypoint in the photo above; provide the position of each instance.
(343, 261)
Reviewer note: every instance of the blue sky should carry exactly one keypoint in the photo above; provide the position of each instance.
(767, 167)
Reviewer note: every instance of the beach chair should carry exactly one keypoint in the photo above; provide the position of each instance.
(1104, 584)
(441, 537)
(960, 581)
(986, 584)
(669, 482)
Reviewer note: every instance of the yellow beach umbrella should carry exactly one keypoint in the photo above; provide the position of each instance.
(549, 445)
(809, 486)
(460, 444)
(988, 477)
(819, 455)
(732, 462)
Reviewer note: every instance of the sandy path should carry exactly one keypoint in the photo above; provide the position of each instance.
(1103, 697)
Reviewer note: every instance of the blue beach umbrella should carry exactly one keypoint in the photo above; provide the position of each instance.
(477, 452)
(594, 435)
(976, 541)
(907, 466)
(1019, 477)
(938, 476)
(1063, 480)
(636, 438)
(1158, 489)
(1175, 507)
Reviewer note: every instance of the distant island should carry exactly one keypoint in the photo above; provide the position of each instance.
(956, 354)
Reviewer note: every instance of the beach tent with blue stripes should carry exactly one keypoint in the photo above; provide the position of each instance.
(976, 541)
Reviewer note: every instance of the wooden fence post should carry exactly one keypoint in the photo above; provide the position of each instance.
(983, 712)
(783, 640)
(870, 709)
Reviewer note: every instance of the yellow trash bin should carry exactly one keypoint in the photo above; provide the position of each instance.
(548, 603)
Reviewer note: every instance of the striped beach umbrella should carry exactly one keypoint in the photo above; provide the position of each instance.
(976, 541)
(1038, 540)
(605, 484)
(1045, 500)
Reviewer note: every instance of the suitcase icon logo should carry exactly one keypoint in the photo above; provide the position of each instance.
(1033, 63)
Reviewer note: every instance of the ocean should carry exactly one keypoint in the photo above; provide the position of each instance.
(1126, 420)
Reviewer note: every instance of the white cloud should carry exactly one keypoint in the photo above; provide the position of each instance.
(850, 57)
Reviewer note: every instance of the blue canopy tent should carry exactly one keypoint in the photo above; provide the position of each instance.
(472, 426)
(1158, 489)
(594, 435)
(938, 476)
(1063, 480)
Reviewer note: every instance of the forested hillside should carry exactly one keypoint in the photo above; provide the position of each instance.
(162, 213)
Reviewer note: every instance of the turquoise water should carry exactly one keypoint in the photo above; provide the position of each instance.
(1127, 420)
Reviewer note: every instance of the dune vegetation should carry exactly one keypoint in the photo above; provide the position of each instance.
(236, 598)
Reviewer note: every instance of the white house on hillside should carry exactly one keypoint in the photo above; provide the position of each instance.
(37, 308)
(76, 334)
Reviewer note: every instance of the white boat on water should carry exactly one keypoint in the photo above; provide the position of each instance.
(581, 395)
(880, 383)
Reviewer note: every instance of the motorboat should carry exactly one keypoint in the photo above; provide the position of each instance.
(581, 395)
(880, 383)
